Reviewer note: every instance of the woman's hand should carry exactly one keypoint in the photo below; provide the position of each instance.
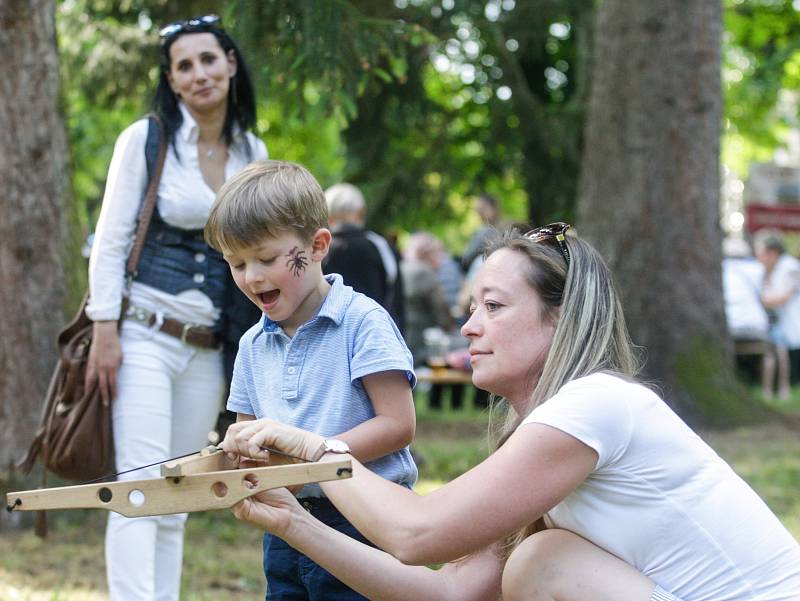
(253, 438)
(271, 510)
(105, 357)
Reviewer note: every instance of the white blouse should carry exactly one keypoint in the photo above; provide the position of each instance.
(184, 200)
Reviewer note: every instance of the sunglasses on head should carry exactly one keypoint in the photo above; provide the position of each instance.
(553, 231)
(189, 25)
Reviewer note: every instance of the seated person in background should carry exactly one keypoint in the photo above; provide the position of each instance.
(323, 357)
(597, 490)
(365, 260)
(780, 294)
(426, 305)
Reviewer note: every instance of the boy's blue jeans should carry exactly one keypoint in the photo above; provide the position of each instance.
(291, 576)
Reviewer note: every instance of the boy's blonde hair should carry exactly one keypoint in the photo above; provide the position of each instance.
(266, 199)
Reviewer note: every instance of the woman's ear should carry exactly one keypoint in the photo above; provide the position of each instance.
(320, 244)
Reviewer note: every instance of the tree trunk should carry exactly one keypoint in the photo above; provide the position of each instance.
(649, 194)
(33, 184)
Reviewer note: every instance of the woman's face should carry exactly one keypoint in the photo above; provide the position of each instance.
(200, 72)
(508, 332)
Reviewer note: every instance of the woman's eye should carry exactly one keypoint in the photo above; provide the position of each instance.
(491, 306)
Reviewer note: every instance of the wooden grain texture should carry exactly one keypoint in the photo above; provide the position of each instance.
(160, 496)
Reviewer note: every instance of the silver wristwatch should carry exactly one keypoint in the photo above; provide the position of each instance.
(332, 445)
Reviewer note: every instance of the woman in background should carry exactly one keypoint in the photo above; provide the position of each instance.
(163, 369)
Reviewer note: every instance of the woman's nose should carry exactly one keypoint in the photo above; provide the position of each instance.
(470, 326)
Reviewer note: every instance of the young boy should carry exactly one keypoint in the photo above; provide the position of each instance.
(323, 357)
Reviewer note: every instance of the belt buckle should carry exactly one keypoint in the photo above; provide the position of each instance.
(158, 321)
(185, 332)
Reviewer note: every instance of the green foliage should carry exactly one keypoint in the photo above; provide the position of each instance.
(761, 62)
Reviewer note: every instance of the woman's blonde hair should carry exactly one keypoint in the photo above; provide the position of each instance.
(590, 335)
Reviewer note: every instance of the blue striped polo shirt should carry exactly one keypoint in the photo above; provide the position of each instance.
(313, 379)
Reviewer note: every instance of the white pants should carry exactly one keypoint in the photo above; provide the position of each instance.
(169, 395)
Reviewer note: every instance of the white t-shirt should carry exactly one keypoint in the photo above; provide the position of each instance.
(663, 501)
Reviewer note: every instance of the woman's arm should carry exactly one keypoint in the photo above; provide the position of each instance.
(534, 470)
(394, 423)
(127, 178)
(368, 570)
(125, 186)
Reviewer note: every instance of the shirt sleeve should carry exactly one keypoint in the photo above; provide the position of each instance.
(379, 346)
(125, 187)
(592, 409)
(239, 399)
(262, 154)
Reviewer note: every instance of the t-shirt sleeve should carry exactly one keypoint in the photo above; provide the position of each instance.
(378, 346)
(592, 409)
(239, 400)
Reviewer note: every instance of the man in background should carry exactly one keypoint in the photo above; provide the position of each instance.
(365, 260)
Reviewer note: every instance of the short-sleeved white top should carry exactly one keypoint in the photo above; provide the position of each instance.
(663, 501)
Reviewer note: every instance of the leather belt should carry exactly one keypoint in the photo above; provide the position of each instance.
(188, 333)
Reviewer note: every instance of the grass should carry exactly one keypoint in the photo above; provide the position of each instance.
(223, 557)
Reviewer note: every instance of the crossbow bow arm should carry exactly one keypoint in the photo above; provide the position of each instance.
(180, 494)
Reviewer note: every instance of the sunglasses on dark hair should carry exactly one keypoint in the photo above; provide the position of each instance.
(553, 231)
(194, 24)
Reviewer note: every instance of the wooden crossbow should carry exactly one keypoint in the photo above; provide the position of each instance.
(198, 482)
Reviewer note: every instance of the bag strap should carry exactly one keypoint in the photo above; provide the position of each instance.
(149, 203)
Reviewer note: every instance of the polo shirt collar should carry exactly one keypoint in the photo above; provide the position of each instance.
(333, 307)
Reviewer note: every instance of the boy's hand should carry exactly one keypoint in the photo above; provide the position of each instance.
(249, 439)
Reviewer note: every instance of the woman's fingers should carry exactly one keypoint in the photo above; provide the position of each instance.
(270, 510)
(105, 356)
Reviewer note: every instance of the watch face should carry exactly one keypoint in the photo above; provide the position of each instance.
(336, 446)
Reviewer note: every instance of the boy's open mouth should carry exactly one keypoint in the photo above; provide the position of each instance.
(268, 298)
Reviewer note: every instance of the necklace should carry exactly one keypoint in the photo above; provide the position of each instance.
(211, 152)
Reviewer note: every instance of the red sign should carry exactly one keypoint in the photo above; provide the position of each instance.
(778, 217)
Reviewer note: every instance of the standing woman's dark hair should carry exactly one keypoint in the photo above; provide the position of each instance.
(241, 98)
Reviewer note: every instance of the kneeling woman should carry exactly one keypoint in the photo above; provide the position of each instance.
(630, 503)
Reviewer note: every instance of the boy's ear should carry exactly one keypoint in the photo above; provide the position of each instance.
(320, 244)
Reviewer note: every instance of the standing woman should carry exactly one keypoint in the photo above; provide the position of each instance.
(164, 368)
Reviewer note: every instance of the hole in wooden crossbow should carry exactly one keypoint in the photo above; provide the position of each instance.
(250, 481)
(136, 497)
(105, 494)
(220, 489)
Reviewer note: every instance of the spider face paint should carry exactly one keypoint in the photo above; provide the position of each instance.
(297, 261)
(281, 277)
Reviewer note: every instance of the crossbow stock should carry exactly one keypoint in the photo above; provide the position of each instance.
(199, 482)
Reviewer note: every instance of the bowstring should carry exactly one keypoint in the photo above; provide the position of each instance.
(141, 467)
